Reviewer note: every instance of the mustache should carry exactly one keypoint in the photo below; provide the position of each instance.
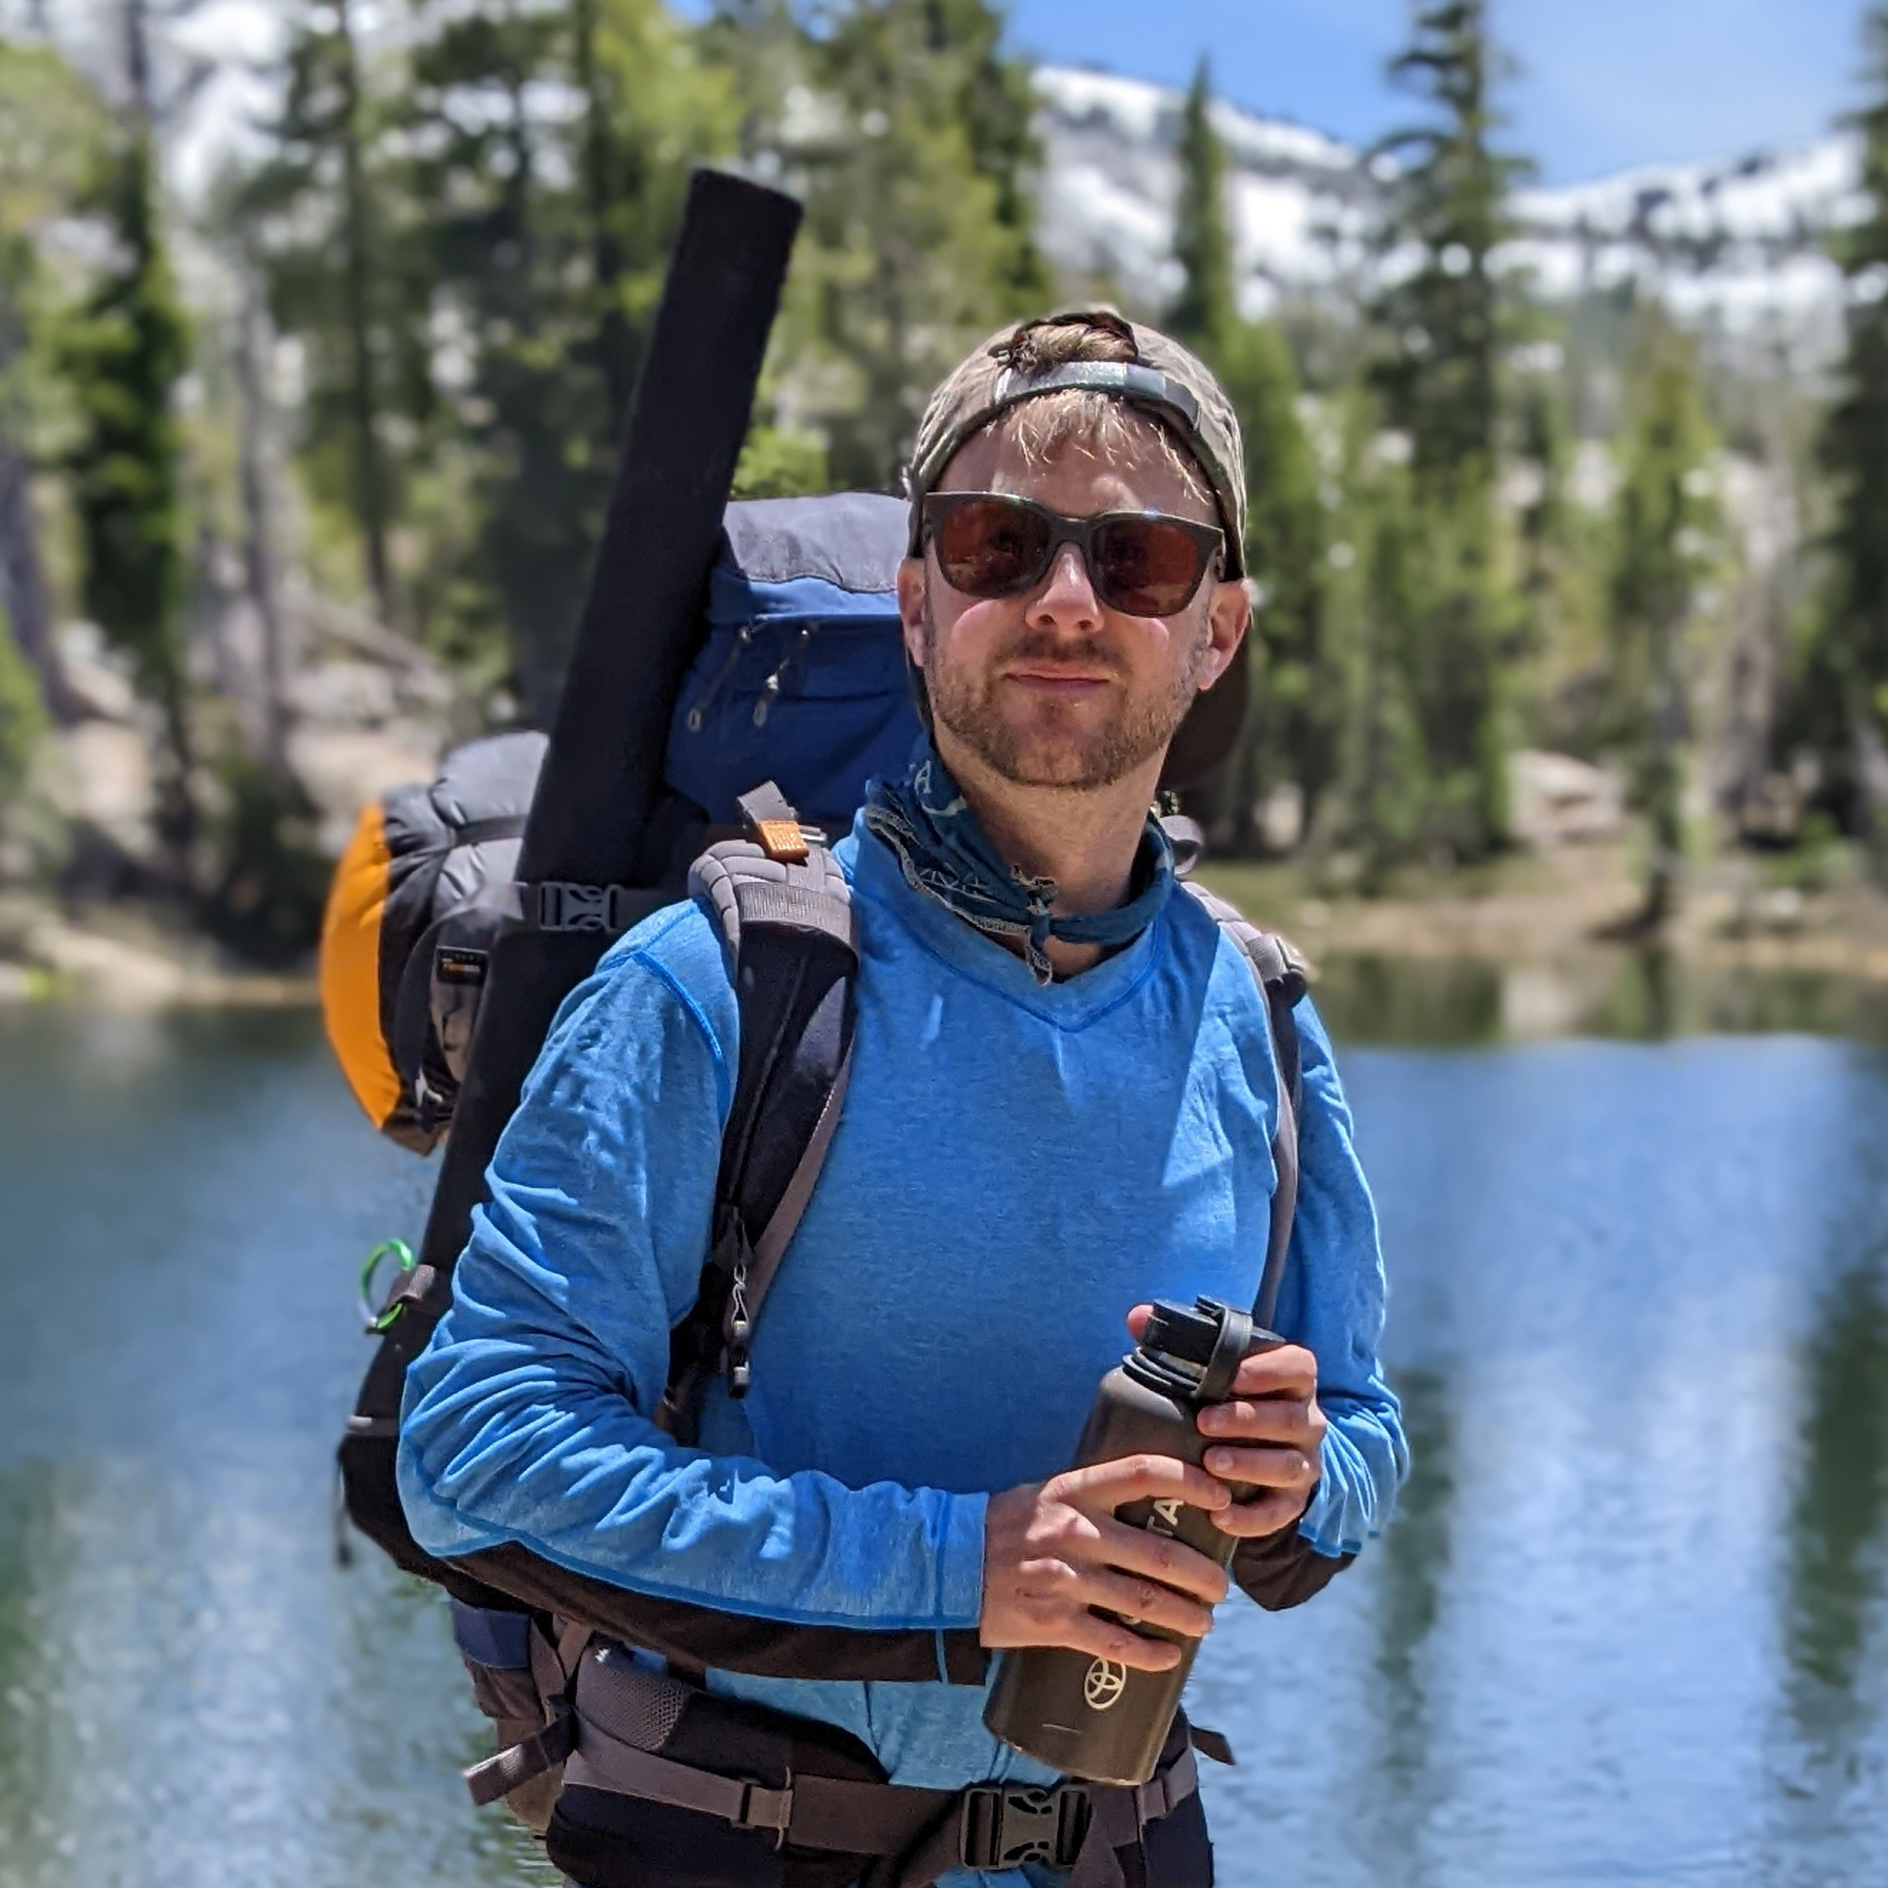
(1052, 652)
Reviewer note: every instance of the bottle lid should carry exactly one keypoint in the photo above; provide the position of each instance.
(1211, 1337)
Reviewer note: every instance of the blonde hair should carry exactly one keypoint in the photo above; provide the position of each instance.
(1077, 419)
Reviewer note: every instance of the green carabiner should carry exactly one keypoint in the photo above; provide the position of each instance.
(379, 1321)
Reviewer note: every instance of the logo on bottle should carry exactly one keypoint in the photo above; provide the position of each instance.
(1104, 1684)
(1165, 1519)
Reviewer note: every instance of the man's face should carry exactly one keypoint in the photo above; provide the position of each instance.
(1051, 688)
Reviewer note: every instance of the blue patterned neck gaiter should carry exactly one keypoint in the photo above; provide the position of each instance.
(945, 853)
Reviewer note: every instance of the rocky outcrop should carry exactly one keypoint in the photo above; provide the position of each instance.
(363, 710)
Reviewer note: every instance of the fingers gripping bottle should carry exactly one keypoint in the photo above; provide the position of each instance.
(1090, 1717)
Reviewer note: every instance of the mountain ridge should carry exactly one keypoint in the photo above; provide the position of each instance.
(1737, 246)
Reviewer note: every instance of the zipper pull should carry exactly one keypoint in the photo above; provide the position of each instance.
(692, 721)
(770, 689)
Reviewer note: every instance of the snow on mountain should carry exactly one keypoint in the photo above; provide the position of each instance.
(1738, 247)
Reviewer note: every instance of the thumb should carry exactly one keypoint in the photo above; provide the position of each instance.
(1137, 1321)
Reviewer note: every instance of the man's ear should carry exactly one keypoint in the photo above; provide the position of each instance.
(911, 608)
(1228, 617)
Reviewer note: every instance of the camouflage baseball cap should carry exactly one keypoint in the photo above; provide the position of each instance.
(1163, 379)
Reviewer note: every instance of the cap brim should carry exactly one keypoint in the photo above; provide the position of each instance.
(1207, 735)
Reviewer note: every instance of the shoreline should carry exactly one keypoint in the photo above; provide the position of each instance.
(1560, 913)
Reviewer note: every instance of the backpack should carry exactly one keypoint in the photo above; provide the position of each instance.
(799, 678)
(414, 907)
(799, 662)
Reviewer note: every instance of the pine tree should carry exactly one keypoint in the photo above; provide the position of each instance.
(546, 239)
(917, 239)
(998, 111)
(1440, 385)
(1290, 733)
(1293, 726)
(1440, 381)
(343, 280)
(1205, 311)
(1851, 652)
(122, 356)
(51, 138)
(1372, 600)
(1664, 525)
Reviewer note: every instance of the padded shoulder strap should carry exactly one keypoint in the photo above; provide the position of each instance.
(784, 910)
(1280, 974)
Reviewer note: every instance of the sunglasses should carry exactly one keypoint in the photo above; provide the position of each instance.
(1142, 563)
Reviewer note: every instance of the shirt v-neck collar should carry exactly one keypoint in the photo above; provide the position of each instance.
(1068, 1003)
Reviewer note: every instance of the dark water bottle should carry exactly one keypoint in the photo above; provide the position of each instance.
(1089, 1717)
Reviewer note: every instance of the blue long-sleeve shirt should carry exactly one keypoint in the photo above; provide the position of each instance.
(1015, 1167)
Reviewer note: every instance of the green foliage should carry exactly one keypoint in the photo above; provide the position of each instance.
(546, 237)
(1844, 671)
(1439, 383)
(1205, 312)
(1665, 547)
(1440, 379)
(905, 132)
(272, 880)
(122, 355)
(777, 464)
(1291, 730)
(998, 110)
(348, 282)
(1293, 726)
(22, 717)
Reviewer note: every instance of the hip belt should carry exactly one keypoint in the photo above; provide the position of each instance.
(618, 1730)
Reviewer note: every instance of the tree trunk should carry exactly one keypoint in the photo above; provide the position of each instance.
(23, 593)
(260, 571)
(1665, 767)
(601, 160)
(1871, 779)
(370, 501)
(138, 65)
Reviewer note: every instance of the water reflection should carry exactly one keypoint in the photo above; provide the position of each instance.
(1637, 995)
(1416, 1556)
(1630, 1626)
(1833, 1753)
(1838, 1552)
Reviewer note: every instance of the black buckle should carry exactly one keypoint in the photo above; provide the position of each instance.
(558, 904)
(732, 1255)
(1004, 1826)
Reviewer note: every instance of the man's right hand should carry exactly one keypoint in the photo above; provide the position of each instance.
(1053, 1550)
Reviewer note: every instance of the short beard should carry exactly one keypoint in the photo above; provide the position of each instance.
(1082, 763)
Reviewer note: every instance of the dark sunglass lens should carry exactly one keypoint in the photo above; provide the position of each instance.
(986, 548)
(1147, 566)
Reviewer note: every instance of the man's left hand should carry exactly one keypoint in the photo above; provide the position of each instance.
(1266, 1439)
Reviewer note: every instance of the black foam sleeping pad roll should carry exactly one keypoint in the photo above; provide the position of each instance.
(603, 768)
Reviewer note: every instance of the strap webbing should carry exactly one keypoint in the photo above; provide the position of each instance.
(770, 1248)
(481, 832)
(789, 929)
(1281, 981)
(519, 1764)
(923, 1829)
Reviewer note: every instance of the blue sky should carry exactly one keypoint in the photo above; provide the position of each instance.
(1604, 83)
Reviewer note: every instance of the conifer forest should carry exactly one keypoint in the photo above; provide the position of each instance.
(303, 455)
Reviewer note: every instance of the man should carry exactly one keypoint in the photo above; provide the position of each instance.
(1061, 1107)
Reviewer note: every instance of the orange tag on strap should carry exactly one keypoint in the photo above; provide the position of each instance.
(782, 841)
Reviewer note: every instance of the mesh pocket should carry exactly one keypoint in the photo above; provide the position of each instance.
(630, 1702)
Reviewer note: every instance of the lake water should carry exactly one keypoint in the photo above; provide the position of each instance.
(1632, 1625)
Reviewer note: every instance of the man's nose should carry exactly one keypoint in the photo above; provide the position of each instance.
(1066, 597)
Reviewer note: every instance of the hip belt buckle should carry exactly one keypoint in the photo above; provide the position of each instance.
(1004, 1826)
